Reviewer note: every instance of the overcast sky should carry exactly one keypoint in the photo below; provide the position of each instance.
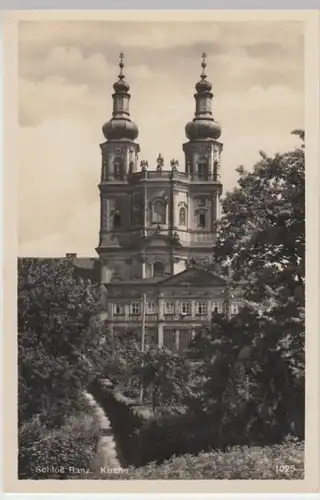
(66, 72)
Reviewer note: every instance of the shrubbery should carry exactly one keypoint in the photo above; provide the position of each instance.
(58, 453)
(162, 374)
(251, 366)
(59, 353)
(235, 463)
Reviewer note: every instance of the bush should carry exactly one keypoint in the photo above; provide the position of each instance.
(235, 463)
(65, 453)
(163, 437)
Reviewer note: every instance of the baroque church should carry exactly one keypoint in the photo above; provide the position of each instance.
(157, 226)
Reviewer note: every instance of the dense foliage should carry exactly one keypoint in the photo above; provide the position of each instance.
(251, 366)
(64, 452)
(158, 375)
(262, 230)
(242, 379)
(59, 346)
(164, 377)
(285, 461)
(59, 338)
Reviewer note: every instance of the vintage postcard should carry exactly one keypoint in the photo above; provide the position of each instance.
(162, 251)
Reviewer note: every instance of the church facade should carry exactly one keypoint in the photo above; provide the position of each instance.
(157, 225)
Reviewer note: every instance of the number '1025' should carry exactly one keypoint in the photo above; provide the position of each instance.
(287, 469)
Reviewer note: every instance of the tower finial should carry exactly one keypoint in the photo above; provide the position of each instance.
(120, 126)
(121, 65)
(204, 65)
(203, 125)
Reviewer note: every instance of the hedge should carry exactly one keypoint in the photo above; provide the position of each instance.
(284, 461)
(126, 418)
(142, 437)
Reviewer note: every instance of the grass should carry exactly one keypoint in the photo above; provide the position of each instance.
(285, 461)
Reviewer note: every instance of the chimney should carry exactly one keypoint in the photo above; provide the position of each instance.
(71, 256)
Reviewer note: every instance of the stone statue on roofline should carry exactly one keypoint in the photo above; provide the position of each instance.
(174, 165)
(160, 162)
(144, 165)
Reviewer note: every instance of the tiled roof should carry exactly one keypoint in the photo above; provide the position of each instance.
(85, 262)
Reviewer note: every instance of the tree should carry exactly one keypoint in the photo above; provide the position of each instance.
(262, 235)
(124, 362)
(164, 376)
(59, 340)
(262, 230)
(252, 365)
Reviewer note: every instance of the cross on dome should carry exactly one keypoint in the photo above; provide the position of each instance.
(204, 65)
(121, 85)
(121, 64)
(203, 126)
(120, 126)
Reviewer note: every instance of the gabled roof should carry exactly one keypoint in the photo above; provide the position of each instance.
(135, 281)
(85, 262)
(194, 277)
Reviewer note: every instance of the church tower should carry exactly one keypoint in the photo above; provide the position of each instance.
(119, 161)
(202, 167)
(155, 223)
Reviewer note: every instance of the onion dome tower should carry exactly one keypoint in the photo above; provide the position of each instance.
(202, 151)
(203, 126)
(120, 151)
(120, 126)
(119, 160)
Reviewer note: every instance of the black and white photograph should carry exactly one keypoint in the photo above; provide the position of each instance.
(161, 293)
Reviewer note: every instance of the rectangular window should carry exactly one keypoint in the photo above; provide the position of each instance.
(170, 339)
(234, 309)
(202, 219)
(169, 308)
(201, 308)
(118, 309)
(159, 212)
(117, 170)
(214, 307)
(185, 337)
(202, 171)
(220, 307)
(135, 308)
(185, 308)
(117, 220)
(151, 308)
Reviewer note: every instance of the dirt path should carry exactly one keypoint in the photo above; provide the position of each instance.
(106, 456)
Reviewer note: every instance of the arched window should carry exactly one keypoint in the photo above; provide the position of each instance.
(159, 212)
(116, 219)
(104, 174)
(215, 171)
(203, 169)
(182, 216)
(117, 169)
(158, 269)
